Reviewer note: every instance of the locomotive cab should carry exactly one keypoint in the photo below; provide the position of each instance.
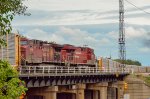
(24, 44)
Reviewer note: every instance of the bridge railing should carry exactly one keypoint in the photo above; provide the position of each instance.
(53, 70)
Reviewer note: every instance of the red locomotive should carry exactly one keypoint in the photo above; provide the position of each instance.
(41, 52)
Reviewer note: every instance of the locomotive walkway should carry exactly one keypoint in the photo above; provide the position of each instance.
(40, 76)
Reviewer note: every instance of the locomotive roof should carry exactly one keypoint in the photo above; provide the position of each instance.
(57, 45)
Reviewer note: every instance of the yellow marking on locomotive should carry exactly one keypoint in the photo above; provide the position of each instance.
(17, 50)
(100, 62)
(51, 54)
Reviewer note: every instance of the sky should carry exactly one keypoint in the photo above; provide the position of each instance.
(89, 22)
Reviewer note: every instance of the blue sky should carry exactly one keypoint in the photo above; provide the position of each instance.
(89, 22)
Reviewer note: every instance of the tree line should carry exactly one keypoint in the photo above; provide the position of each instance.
(129, 62)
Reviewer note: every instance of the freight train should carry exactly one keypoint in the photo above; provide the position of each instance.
(21, 51)
(24, 51)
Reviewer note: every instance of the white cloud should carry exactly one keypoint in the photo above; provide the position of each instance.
(80, 17)
(42, 35)
(71, 4)
(103, 5)
(145, 49)
(104, 41)
(132, 33)
(81, 12)
(65, 18)
(113, 34)
(138, 20)
(69, 36)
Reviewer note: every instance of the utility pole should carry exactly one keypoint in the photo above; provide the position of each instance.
(122, 48)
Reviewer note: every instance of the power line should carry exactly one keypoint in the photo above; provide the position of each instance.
(137, 7)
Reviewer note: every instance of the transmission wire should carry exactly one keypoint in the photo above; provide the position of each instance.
(137, 7)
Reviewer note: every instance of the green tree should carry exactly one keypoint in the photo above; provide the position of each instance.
(129, 62)
(8, 9)
(11, 86)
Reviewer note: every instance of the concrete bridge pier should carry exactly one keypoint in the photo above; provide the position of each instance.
(120, 89)
(80, 91)
(112, 90)
(103, 91)
(112, 93)
(99, 90)
(50, 92)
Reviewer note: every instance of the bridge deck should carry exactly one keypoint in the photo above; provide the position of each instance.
(40, 76)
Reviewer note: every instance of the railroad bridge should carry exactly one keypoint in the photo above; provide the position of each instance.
(51, 82)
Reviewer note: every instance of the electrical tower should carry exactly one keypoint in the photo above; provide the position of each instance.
(122, 48)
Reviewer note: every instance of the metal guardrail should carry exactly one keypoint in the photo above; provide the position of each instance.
(60, 70)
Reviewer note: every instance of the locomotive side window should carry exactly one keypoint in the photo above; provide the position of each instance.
(24, 42)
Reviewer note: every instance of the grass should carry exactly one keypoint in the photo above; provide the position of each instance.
(147, 80)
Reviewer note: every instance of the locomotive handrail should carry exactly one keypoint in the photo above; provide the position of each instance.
(61, 70)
